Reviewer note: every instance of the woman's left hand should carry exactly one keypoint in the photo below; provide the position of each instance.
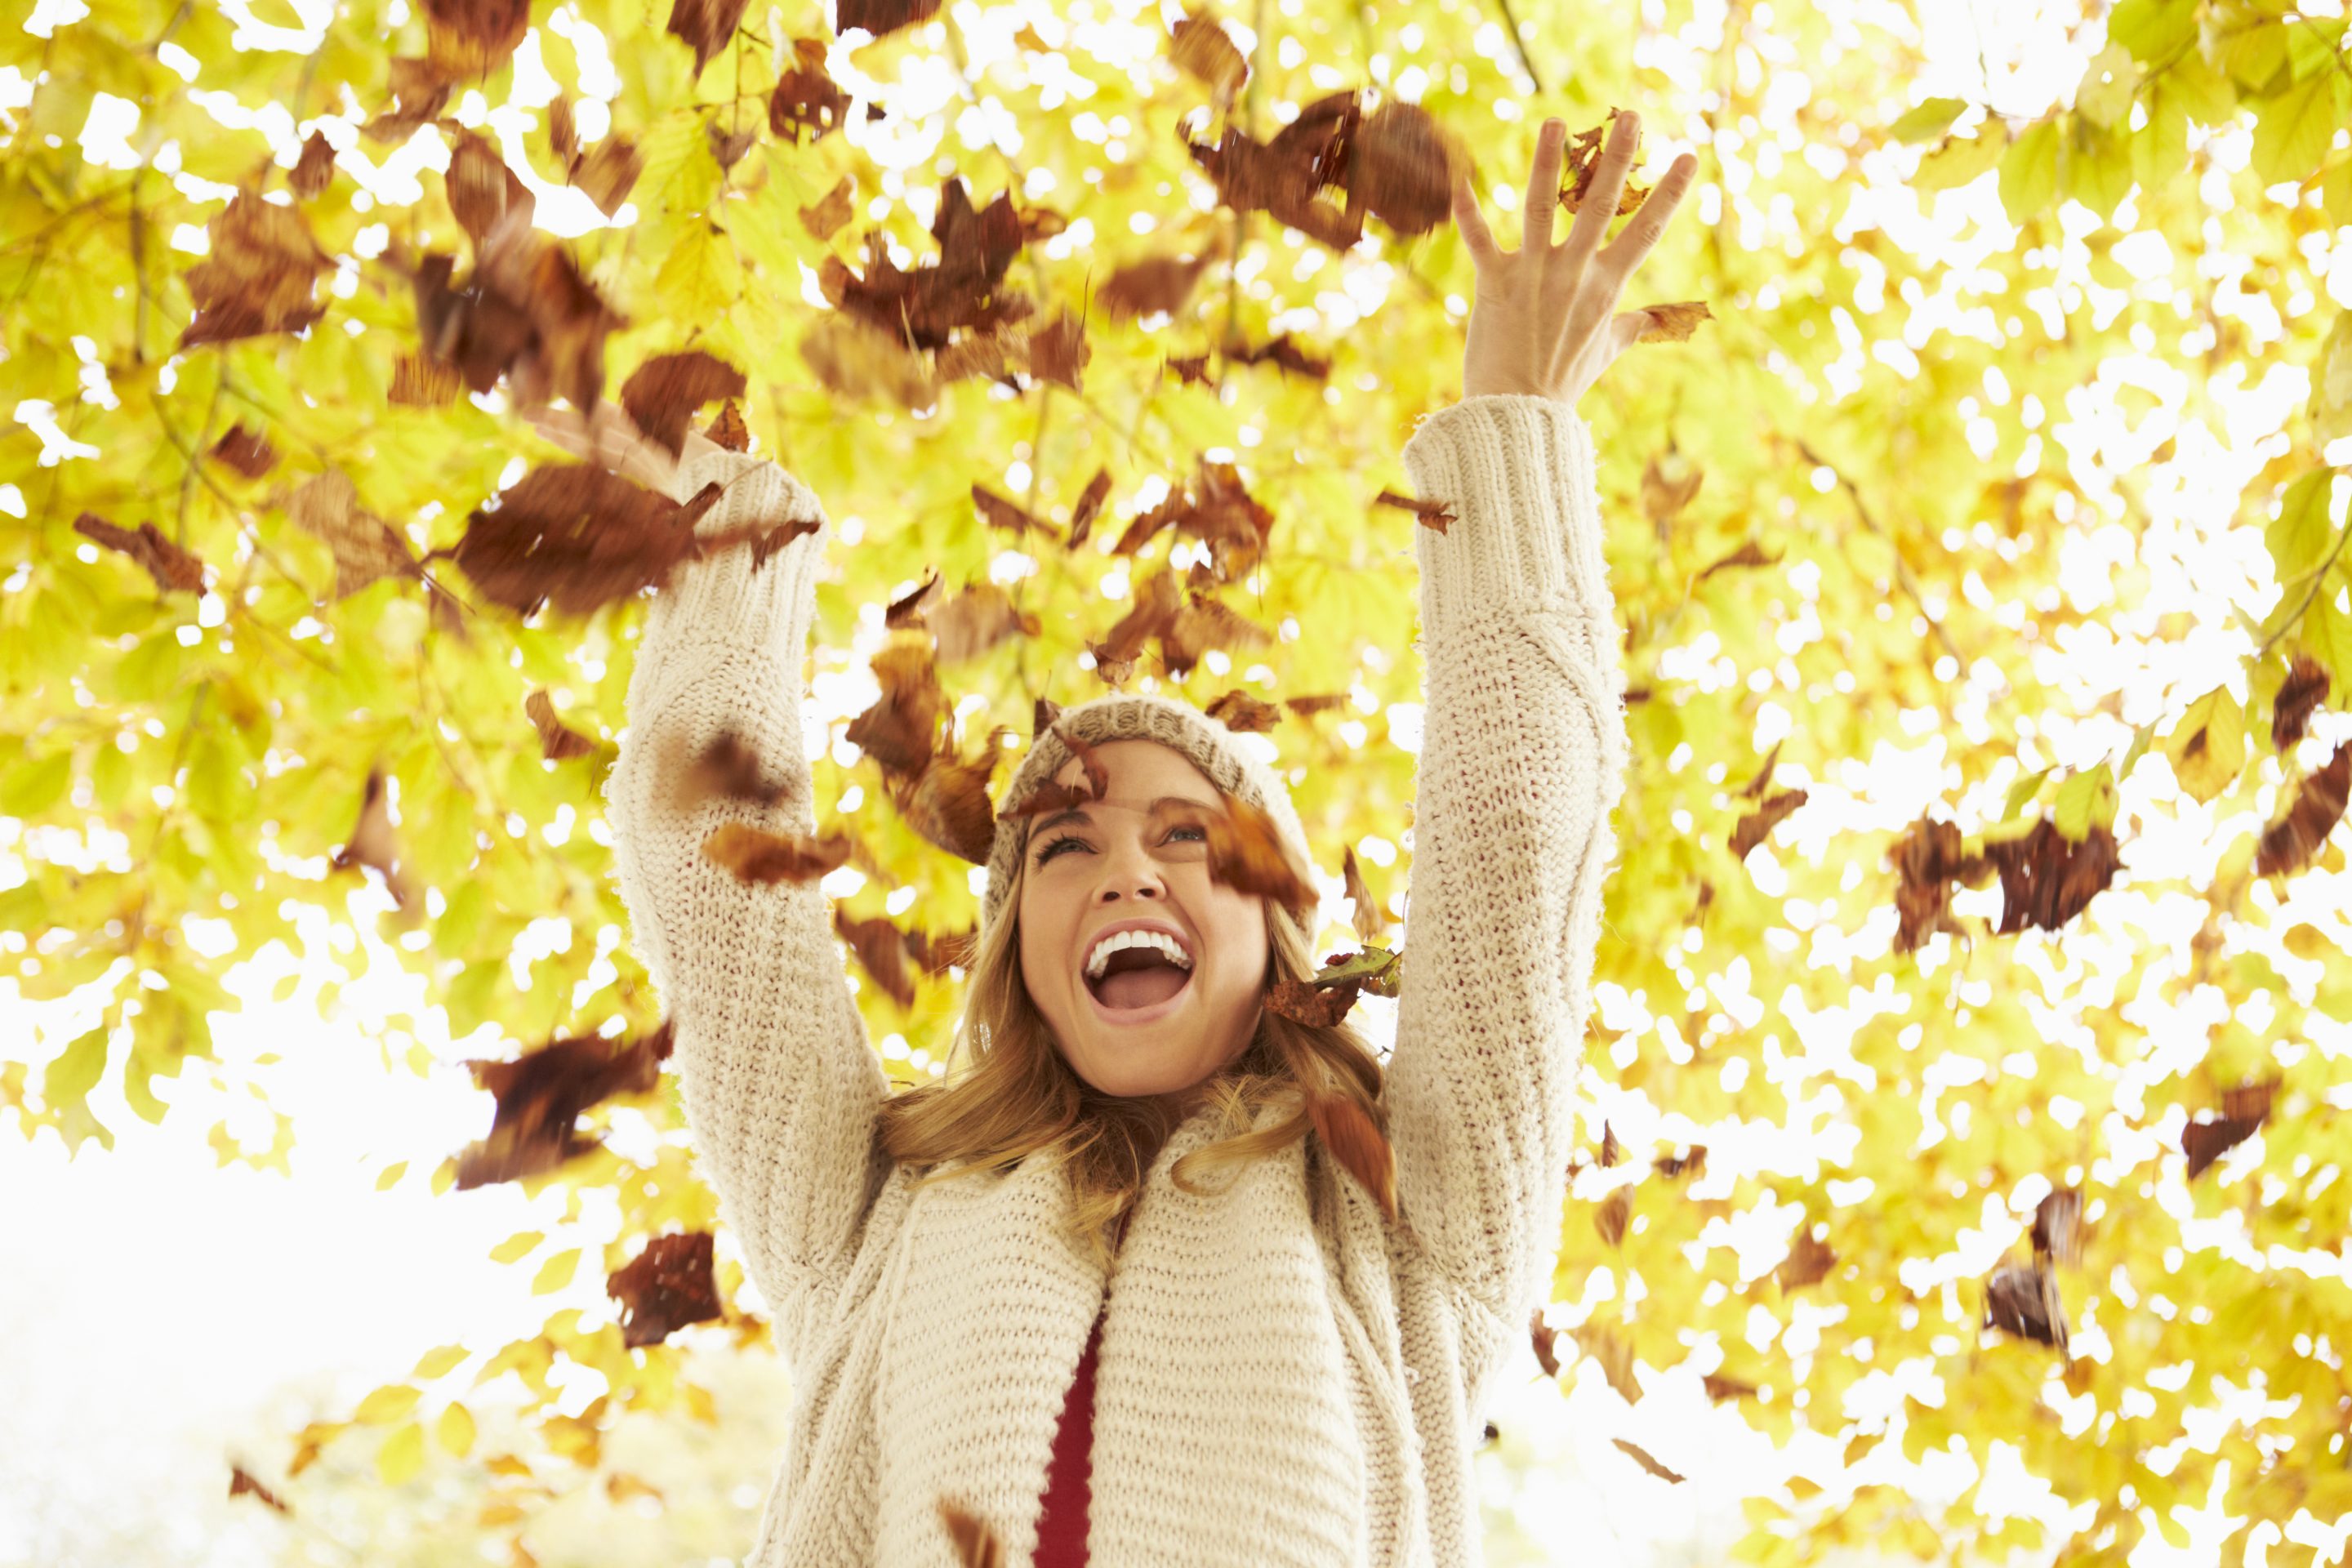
(1542, 319)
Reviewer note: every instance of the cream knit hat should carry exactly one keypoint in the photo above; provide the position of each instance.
(1136, 716)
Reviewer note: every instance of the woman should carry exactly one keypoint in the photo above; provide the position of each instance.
(1017, 1295)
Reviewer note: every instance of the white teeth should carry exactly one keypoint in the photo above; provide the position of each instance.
(1100, 957)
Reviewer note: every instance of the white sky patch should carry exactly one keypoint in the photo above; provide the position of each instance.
(48, 15)
(253, 33)
(106, 136)
(41, 418)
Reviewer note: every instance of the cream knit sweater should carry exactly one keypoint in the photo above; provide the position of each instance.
(1283, 1377)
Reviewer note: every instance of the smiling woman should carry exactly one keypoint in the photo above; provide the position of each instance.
(1086, 1054)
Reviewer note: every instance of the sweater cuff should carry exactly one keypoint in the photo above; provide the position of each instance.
(1519, 471)
(720, 598)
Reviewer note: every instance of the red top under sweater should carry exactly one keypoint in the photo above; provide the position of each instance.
(1062, 1530)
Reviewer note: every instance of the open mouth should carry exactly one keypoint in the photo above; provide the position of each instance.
(1138, 982)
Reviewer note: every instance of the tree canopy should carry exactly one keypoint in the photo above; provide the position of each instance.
(1986, 1117)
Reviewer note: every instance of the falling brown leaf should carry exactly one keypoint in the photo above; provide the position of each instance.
(173, 569)
(246, 451)
(1581, 162)
(881, 950)
(881, 18)
(1546, 1345)
(2244, 1109)
(608, 173)
(315, 168)
(1244, 714)
(665, 1287)
(2046, 878)
(1090, 503)
(805, 99)
(726, 768)
(474, 37)
(241, 1484)
(764, 859)
(1670, 481)
(526, 312)
(997, 511)
(976, 620)
(948, 802)
(937, 954)
(897, 730)
(579, 537)
(1052, 795)
(1059, 351)
(1641, 1457)
(366, 548)
(1721, 1388)
(1155, 284)
(2022, 1299)
(557, 739)
(1692, 1162)
(482, 189)
(664, 394)
(1402, 166)
(1758, 825)
(1369, 920)
(2058, 1226)
(421, 381)
(1245, 852)
(1674, 322)
(1284, 177)
(2294, 840)
(831, 210)
(706, 25)
(2304, 688)
(1610, 1219)
(420, 91)
(1610, 1152)
(541, 1095)
(976, 1545)
(258, 275)
(1431, 514)
(1809, 1262)
(1747, 554)
(1317, 1007)
(964, 287)
(855, 359)
(727, 146)
(908, 609)
(1202, 49)
(373, 845)
(1357, 1142)
(1612, 1352)
(726, 430)
(1927, 859)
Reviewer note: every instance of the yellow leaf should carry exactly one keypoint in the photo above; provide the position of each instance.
(286, 986)
(456, 1430)
(439, 1362)
(556, 1272)
(387, 1405)
(2303, 533)
(2208, 746)
(700, 277)
(515, 1246)
(391, 1175)
(401, 1455)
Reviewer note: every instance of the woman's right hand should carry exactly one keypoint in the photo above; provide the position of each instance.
(608, 437)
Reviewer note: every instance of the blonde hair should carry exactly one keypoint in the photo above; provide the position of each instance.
(1008, 1093)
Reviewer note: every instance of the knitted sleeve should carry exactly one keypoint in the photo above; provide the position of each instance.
(781, 1085)
(1522, 760)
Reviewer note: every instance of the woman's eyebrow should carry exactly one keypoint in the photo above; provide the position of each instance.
(1078, 813)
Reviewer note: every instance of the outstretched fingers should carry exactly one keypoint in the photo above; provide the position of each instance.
(1543, 188)
(1630, 249)
(1476, 236)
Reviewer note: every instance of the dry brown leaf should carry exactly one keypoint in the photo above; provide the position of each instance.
(557, 739)
(172, 568)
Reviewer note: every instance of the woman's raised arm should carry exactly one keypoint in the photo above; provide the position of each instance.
(780, 1084)
(1523, 749)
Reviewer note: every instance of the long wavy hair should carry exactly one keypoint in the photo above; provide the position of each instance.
(1008, 1093)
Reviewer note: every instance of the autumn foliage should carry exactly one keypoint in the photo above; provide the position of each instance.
(2028, 1067)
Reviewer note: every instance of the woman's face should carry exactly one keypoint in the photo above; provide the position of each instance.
(1112, 865)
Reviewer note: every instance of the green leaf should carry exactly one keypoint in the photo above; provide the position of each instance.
(2304, 533)
(701, 276)
(2028, 173)
(34, 785)
(2153, 30)
(1929, 120)
(2292, 131)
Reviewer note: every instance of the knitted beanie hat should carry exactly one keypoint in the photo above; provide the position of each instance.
(1135, 716)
